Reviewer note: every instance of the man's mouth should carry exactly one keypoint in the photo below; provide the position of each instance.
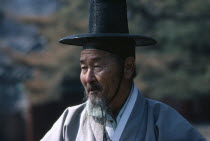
(93, 91)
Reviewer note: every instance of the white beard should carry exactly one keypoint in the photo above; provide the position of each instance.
(98, 110)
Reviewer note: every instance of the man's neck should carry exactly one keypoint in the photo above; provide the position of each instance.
(120, 99)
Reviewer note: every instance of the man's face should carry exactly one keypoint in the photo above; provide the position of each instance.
(99, 74)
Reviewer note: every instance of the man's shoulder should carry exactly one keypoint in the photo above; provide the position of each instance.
(158, 110)
(73, 110)
(70, 117)
(163, 112)
(159, 106)
(71, 113)
(168, 122)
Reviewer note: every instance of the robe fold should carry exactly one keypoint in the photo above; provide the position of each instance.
(149, 121)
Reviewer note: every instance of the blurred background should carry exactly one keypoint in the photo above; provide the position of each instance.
(39, 77)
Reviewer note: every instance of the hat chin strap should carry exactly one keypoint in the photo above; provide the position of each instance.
(118, 87)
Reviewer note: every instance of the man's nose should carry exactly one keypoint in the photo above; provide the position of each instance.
(90, 76)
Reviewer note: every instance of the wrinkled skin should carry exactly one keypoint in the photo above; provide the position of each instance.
(100, 74)
(107, 82)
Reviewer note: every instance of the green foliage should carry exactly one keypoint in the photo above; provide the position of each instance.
(182, 59)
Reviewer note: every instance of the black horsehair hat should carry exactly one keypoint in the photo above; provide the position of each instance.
(108, 30)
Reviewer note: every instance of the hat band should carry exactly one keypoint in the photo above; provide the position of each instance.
(120, 48)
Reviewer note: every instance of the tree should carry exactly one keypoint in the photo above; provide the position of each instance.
(178, 66)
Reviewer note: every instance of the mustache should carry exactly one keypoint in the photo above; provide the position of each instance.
(93, 86)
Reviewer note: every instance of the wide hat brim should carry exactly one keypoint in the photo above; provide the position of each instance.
(83, 39)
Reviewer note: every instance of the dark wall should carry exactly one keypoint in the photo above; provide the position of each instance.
(45, 115)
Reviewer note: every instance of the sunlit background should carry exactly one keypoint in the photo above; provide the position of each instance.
(39, 77)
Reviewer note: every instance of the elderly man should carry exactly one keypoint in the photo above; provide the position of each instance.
(115, 109)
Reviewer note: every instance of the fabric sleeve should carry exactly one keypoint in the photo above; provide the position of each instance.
(171, 126)
(56, 132)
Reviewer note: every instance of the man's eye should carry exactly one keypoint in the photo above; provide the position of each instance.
(84, 68)
(98, 68)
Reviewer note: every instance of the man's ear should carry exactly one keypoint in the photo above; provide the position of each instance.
(129, 67)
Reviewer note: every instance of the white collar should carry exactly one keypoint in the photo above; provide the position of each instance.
(126, 114)
(122, 117)
(124, 106)
(111, 124)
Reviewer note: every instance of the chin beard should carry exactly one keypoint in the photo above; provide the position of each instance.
(97, 108)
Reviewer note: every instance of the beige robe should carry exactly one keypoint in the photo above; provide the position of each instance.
(149, 121)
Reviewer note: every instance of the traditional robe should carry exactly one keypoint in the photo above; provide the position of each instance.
(149, 120)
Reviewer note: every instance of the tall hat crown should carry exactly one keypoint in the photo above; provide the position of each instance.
(108, 30)
(108, 16)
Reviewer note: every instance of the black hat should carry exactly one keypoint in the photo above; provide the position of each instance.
(108, 30)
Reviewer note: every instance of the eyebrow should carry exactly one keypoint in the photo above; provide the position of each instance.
(95, 59)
